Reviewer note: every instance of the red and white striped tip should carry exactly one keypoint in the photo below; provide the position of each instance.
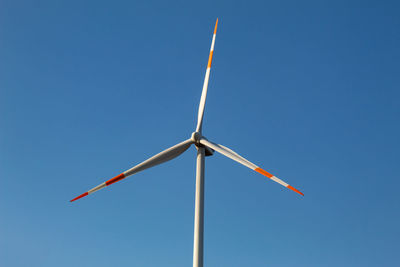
(236, 157)
(161, 157)
(205, 84)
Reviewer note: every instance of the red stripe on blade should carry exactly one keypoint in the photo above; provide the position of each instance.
(115, 179)
(295, 190)
(78, 197)
(263, 172)
(210, 59)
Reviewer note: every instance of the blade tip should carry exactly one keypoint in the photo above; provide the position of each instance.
(80, 196)
(295, 190)
(215, 29)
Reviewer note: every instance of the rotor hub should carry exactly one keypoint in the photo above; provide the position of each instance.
(196, 136)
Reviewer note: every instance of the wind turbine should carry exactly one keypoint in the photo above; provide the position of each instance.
(204, 148)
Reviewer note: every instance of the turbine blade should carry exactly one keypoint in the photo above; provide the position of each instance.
(236, 157)
(205, 84)
(161, 157)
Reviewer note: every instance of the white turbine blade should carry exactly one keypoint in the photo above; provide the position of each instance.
(236, 157)
(205, 84)
(161, 157)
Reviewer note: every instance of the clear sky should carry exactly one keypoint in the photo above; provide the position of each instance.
(308, 90)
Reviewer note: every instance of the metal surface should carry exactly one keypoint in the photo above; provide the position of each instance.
(198, 242)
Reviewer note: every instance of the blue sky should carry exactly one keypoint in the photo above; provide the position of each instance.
(307, 90)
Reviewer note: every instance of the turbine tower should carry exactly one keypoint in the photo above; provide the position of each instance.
(204, 148)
